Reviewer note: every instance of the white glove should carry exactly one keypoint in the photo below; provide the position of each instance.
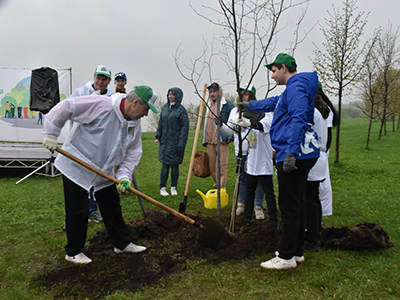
(98, 92)
(50, 143)
(244, 123)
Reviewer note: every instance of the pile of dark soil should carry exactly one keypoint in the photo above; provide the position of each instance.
(170, 242)
(365, 236)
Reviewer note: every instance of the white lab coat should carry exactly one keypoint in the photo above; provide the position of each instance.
(88, 89)
(325, 188)
(100, 137)
(318, 171)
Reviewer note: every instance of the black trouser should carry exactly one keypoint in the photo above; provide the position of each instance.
(292, 206)
(76, 216)
(268, 189)
(314, 212)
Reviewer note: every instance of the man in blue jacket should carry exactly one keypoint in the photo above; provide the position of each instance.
(297, 150)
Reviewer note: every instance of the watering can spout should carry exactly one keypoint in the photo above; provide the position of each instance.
(202, 195)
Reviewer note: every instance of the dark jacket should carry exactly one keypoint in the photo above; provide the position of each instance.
(173, 130)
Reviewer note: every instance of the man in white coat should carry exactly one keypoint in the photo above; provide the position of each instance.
(99, 85)
(106, 133)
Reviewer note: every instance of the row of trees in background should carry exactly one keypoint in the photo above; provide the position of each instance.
(338, 63)
(345, 65)
(380, 82)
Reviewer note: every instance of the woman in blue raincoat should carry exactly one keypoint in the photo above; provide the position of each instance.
(171, 136)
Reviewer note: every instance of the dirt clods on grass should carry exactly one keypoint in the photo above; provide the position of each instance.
(170, 243)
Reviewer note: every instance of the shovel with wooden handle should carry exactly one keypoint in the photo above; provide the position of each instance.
(131, 189)
(182, 205)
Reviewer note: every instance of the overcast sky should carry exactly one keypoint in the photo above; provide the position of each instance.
(139, 37)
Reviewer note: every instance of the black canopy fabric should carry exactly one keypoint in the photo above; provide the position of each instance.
(44, 90)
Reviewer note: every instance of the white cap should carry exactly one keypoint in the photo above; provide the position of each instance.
(103, 70)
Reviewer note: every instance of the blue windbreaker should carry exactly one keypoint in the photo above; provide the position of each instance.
(292, 126)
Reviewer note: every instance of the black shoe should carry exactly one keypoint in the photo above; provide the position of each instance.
(94, 216)
(274, 225)
(312, 247)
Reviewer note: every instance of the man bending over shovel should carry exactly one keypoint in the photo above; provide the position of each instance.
(108, 134)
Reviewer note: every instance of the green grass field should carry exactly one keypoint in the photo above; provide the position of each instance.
(365, 188)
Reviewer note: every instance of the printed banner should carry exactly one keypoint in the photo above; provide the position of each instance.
(17, 122)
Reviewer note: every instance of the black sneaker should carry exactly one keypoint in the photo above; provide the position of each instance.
(312, 247)
(94, 216)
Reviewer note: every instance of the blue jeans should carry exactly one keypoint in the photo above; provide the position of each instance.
(92, 202)
(268, 189)
(165, 173)
(259, 196)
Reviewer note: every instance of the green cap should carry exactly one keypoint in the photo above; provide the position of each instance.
(148, 95)
(319, 89)
(250, 88)
(283, 59)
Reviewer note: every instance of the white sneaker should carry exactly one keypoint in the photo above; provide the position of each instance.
(163, 192)
(240, 209)
(173, 191)
(298, 259)
(278, 263)
(131, 248)
(259, 213)
(80, 258)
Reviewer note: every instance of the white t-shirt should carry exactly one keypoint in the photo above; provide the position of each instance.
(233, 122)
(259, 161)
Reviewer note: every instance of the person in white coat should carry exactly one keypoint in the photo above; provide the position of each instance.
(232, 127)
(316, 175)
(325, 187)
(259, 165)
(99, 85)
(106, 133)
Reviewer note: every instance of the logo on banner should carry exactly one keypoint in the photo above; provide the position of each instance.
(15, 114)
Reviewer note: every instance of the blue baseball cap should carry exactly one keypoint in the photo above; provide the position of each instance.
(120, 74)
(214, 86)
